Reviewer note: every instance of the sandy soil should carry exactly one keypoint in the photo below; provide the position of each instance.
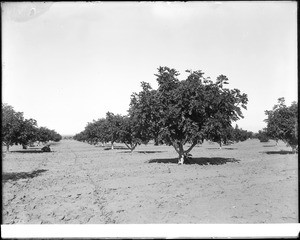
(249, 182)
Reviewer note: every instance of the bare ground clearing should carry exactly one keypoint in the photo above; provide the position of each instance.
(249, 182)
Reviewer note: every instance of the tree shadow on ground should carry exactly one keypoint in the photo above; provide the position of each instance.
(269, 145)
(145, 152)
(279, 152)
(30, 151)
(115, 148)
(198, 161)
(222, 148)
(149, 151)
(14, 176)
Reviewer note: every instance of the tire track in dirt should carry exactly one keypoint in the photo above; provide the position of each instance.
(99, 194)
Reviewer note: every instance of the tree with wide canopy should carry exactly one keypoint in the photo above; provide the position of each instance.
(282, 123)
(182, 110)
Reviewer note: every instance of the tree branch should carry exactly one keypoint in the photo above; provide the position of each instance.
(191, 147)
(127, 145)
(134, 146)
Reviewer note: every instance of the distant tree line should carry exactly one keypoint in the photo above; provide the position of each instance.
(18, 130)
(118, 128)
(178, 112)
(228, 135)
(68, 137)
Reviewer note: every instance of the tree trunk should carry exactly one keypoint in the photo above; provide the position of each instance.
(131, 147)
(7, 147)
(156, 142)
(220, 143)
(112, 145)
(179, 149)
(24, 146)
(183, 154)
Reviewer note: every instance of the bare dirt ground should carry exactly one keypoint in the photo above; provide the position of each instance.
(76, 183)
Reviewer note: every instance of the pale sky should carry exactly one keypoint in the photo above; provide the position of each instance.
(74, 62)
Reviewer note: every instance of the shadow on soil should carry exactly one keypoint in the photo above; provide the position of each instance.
(199, 161)
(222, 148)
(145, 152)
(269, 145)
(21, 175)
(149, 151)
(29, 151)
(115, 148)
(279, 152)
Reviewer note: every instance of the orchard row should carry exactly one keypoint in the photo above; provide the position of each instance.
(188, 111)
(18, 130)
(177, 113)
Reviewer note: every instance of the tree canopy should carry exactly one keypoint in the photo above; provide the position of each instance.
(18, 130)
(178, 112)
(45, 135)
(144, 111)
(262, 136)
(184, 110)
(282, 123)
(114, 128)
(28, 132)
(11, 125)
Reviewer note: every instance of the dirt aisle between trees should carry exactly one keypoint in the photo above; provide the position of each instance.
(249, 182)
(57, 188)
